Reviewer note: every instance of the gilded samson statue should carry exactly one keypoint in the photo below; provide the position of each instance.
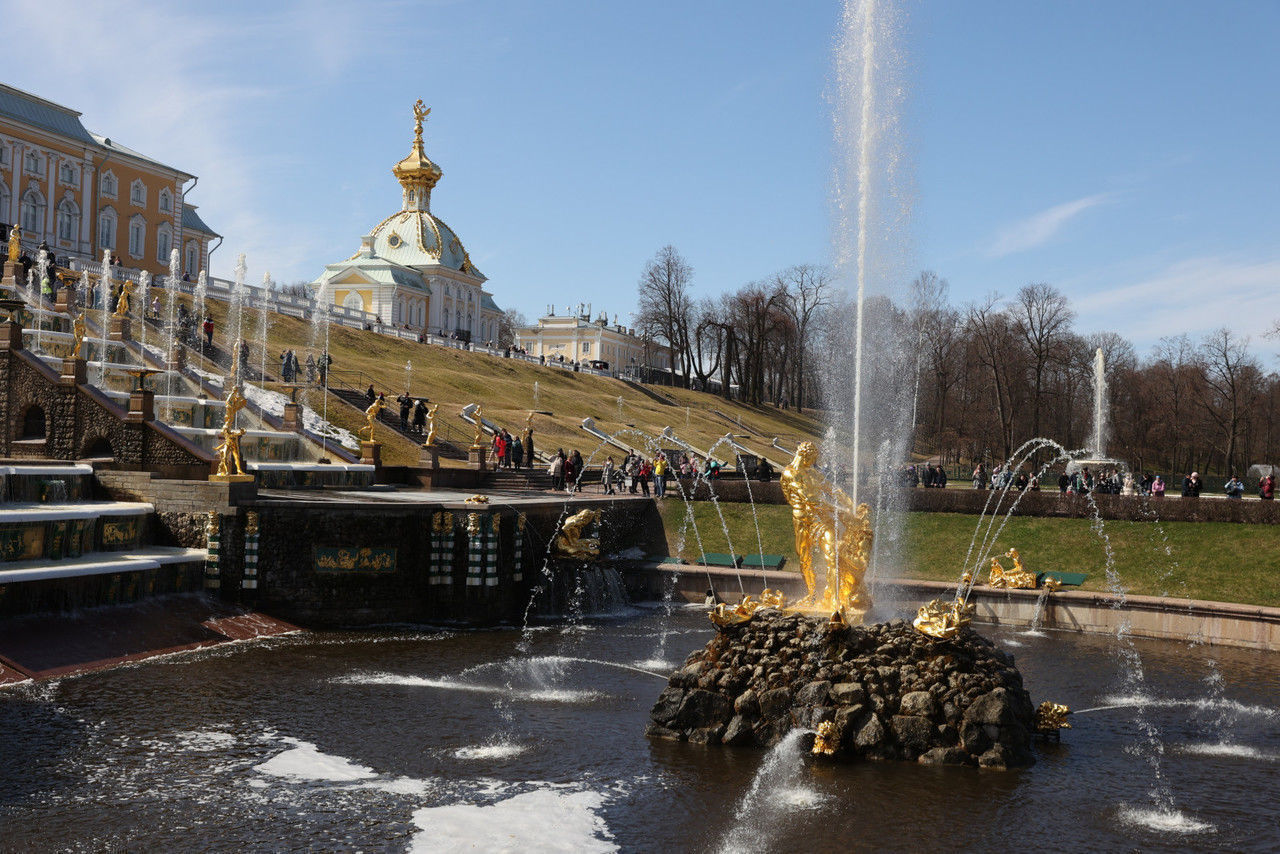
(571, 542)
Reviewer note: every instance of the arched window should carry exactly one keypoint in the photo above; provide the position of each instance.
(32, 212)
(138, 193)
(137, 235)
(166, 200)
(68, 220)
(109, 186)
(33, 423)
(191, 261)
(164, 242)
(353, 301)
(107, 229)
(31, 163)
(5, 197)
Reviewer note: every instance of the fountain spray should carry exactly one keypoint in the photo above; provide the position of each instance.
(171, 326)
(104, 285)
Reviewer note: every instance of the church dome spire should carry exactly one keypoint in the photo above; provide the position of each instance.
(416, 173)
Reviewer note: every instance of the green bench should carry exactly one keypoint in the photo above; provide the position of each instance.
(720, 559)
(1066, 579)
(756, 561)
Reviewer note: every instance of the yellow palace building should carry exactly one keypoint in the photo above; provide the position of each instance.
(80, 192)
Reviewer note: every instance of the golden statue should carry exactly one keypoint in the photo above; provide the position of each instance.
(431, 426)
(942, 620)
(477, 441)
(1051, 717)
(228, 450)
(78, 331)
(827, 741)
(1012, 579)
(570, 541)
(122, 305)
(724, 615)
(371, 415)
(528, 423)
(823, 516)
(15, 244)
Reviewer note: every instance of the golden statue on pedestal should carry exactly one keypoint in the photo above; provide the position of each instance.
(228, 450)
(15, 244)
(431, 426)
(570, 541)
(122, 305)
(1011, 579)
(724, 615)
(824, 517)
(371, 415)
(78, 331)
(1051, 717)
(477, 441)
(942, 620)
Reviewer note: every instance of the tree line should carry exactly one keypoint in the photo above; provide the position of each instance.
(979, 378)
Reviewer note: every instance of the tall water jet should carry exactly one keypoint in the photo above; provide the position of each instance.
(42, 268)
(202, 292)
(171, 328)
(104, 299)
(1099, 405)
(235, 312)
(871, 204)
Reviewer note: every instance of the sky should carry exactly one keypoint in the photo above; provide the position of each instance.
(1124, 152)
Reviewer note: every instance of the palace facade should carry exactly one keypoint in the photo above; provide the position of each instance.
(80, 192)
(412, 270)
(571, 337)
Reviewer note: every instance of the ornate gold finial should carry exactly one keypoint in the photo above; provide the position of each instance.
(122, 305)
(15, 243)
(1051, 717)
(78, 331)
(211, 524)
(473, 524)
(431, 426)
(477, 499)
(420, 113)
(571, 541)
(824, 517)
(942, 620)
(371, 415)
(251, 523)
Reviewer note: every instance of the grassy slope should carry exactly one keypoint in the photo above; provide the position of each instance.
(454, 378)
(1218, 561)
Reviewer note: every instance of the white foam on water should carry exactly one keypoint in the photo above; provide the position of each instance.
(1163, 820)
(547, 695)
(400, 786)
(1010, 642)
(305, 762)
(656, 664)
(800, 797)
(498, 750)
(544, 820)
(205, 741)
(1200, 703)
(1239, 751)
(1032, 633)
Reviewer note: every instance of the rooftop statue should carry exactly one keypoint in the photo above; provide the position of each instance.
(824, 517)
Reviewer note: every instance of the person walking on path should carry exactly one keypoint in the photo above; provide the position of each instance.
(419, 416)
(578, 466)
(406, 404)
(645, 470)
(606, 476)
(208, 332)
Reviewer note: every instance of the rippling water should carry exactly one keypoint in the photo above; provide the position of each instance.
(431, 741)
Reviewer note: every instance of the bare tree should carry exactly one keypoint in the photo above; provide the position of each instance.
(806, 290)
(665, 305)
(510, 321)
(1042, 318)
(1232, 382)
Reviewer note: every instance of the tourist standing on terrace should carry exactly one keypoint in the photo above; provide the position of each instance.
(208, 331)
(1157, 487)
(578, 466)
(419, 416)
(606, 476)
(1191, 485)
(528, 447)
(1267, 488)
(556, 470)
(660, 475)
(517, 452)
(1234, 488)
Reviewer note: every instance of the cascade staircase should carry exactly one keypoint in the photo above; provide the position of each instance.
(389, 417)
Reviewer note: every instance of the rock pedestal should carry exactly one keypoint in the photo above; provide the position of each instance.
(65, 302)
(371, 453)
(429, 457)
(73, 372)
(119, 329)
(292, 417)
(891, 692)
(476, 456)
(142, 406)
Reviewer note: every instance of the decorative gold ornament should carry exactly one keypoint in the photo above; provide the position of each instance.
(571, 541)
(724, 615)
(371, 416)
(477, 499)
(228, 450)
(1051, 717)
(442, 522)
(824, 517)
(473, 524)
(1051, 584)
(122, 304)
(828, 740)
(211, 525)
(942, 620)
(78, 331)
(431, 426)
(251, 523)
(1013, 579)
(477, 441)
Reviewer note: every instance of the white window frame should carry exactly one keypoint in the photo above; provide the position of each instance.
(68, 174)
(164, 242)
(68, 220)
(5, 198)
(31, 163)
(166, 200)
(191, 258)
(138, 193)
(5, 155)
(109, 185)
(107, 223)
(35, 201)
(137, 236)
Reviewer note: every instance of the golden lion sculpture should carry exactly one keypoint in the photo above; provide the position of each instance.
(570, 541)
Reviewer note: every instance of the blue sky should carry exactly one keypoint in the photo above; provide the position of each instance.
(1123, 151)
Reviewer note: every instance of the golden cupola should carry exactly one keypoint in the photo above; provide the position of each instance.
(416, 173)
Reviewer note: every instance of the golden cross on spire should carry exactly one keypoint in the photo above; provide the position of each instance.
(420, 113)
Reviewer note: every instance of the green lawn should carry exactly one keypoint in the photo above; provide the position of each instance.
(1218, 561)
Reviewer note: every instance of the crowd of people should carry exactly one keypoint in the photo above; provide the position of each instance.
(634, 474)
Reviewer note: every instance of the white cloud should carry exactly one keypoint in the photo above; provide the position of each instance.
(1040, 228)
(1195, 296)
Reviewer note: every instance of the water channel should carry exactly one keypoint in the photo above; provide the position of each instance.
(412, 739)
